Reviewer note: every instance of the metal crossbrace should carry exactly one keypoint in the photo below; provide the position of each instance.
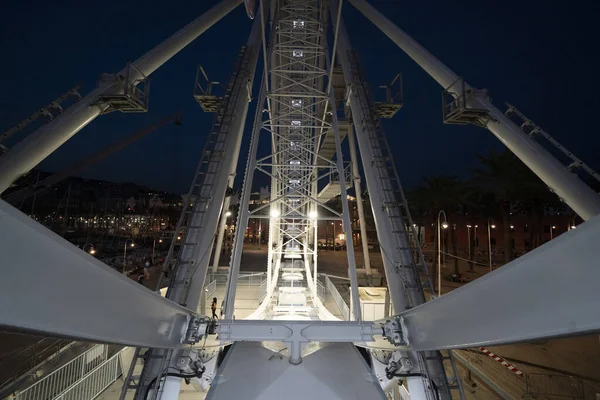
(530, 128)
(181, 250)
(397, 210)
(49, 111)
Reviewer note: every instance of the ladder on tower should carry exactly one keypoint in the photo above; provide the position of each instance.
(402, 228)
(530, 128)
(50, 111)
(181, 250)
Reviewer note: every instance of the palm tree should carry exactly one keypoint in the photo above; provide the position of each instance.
(500, 178)
(443, 192)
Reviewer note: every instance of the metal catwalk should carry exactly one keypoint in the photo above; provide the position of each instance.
(312, 96)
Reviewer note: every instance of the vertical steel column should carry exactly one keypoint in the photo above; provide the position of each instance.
(187, 284)
(400, 269)
(359, 204)
(579, 196)
(242, 220)
(221, 232)
(40, 144)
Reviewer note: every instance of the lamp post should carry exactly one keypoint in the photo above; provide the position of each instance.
(552, 228)
(125, 252)
(333, 223)
(439, 250)
(153, 247)
(490, 225)
(92, 249)
(572, 225)
(469, 240)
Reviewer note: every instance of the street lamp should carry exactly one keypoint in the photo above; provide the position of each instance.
(469, 240)
(154, 247)
(92, 249)
(444, 225)
(333, 223)
(490, 225)
(552, 228)
(125, 252)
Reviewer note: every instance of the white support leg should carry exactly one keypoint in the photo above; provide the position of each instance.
(359, 203)
(580, 197)
(45, 140)
(221, 233)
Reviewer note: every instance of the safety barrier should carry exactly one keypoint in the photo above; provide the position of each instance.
(262, 291)
(66, 376)
(210, 289)
(95, 382)
(337, 298)
(17, 366)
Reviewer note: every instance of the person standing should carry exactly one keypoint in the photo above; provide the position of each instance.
(213, 308)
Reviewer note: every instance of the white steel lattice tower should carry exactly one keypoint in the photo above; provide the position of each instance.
(297, 111)
(296, 99)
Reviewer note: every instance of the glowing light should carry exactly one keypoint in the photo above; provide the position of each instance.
(178, 237)
(92, 251)
(512, 227)
(275, 213)
(132, 244)
(573, 227)
(228, 214)
(493, 226)
(312, 215)
(444, 225)
(159, 240)
(469, 226)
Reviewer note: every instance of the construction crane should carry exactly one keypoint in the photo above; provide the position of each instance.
(38, 187)
(297, 111)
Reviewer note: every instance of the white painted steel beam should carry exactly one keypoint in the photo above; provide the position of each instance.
(297, 331)
(549, 292)
(51, 287)
(579, 196)
(45, 140)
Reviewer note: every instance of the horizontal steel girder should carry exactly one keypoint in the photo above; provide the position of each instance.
(549, 292)
(53, 288)
(297, 331)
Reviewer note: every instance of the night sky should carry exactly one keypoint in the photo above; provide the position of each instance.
(541, 58)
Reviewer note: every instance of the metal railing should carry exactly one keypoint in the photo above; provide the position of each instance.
(321, 291)
(560, 386)
(95, 382)
(262, 290)
(19, 363)
(66, 376)
(337, 298)
(210, 289)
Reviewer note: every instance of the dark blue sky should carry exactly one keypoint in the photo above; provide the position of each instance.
(540, 57)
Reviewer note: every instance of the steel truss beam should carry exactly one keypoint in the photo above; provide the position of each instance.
(549, 292)
(53, 288)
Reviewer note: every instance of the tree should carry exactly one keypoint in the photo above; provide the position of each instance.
(443, 192)
(500, 179)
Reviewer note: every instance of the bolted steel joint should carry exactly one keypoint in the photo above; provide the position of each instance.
(392, 331)
(196, 329)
